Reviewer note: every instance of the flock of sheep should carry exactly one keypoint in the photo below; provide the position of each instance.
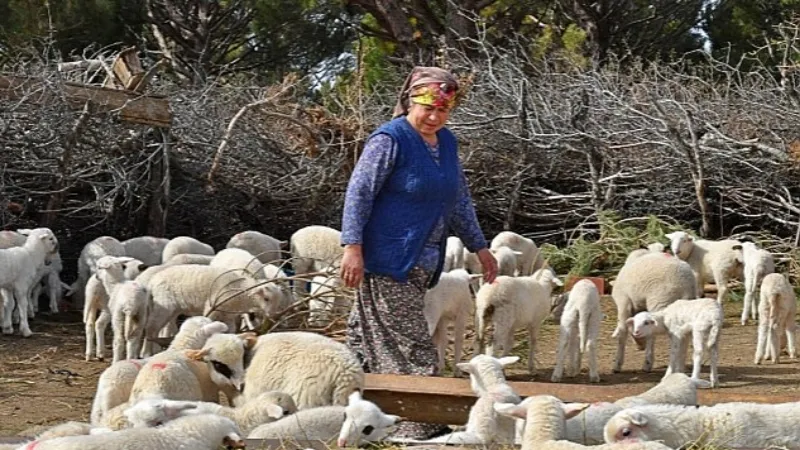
(303, 385)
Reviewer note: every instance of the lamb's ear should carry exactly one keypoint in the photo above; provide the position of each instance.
(511, 410)
(24, 231)
(507, 360)
(142, 267)
(464, 367)
(637, 418)
(214, 328)
(629, 322)
(197, 355)
(354, 398)
(669, 236)
(250, 339)
(274, 411)
(557, 282)
(573, 409)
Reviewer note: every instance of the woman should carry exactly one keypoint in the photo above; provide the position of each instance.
(406, 194)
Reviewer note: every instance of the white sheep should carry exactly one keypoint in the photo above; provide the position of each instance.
(314, 369)
(360, 420)
(147, 249)
(18, 270)
(185, 244)
(203, 290)
(580, 329)
(196, 432)
(711, 261)
(116, 382)
(453, 254)
(648, 283)
(327, 301)
(189, 258)
(91, 252)
(265, 247)
(743, 425)
(197, 375)
(777, 310)
(545, 418)
(701, 318)
(511, 303)
(531, 258)
(314, 249)
(48, 274)
(757, 264)
(449, 302)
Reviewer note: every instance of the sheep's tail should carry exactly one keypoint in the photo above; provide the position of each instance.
(583, 331)
(713, 335)
(129, 324)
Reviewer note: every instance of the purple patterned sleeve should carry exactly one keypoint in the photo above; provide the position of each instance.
(371, 171)
(463, 220)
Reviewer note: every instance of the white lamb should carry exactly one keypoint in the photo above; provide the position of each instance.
(197, 432)
(327, 301)
(449, 302)
(701, 318)
(580, 329)
(189, 258)
(648, 283)
(18, 270)
(777, 310)
(359, 421)
(96, 300)
(511, 303)
(265, 247)
(314, 369)
(237, 259)
(531, 258)
(314, 248)
(506, 260)
(115, 383)
(197, 375)
(147, 249)
(742, 425)
(48, 274)
(757, 264)
(203, 290)
(711, 261)
(453, 254)
(91, 252)
(545, 418)
(185, 244)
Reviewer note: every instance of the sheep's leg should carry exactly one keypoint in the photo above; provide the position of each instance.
(440, 342)
(100, 327)
(33, 304)
(698, 345)
(714, 350)
(674, 352)
(563, 343)
(459, 328)
(532, 332)
(761, 344)
(577, 355)
(134, 342)
(721, 280)
(648, 353)
(8, 310)
(591, 350)
(774, 344)
(53, 290)
(748, 303)
(790, 339)
(21, 294)
(621, 333)
(88, 327)
(118, 327)
(684, 350)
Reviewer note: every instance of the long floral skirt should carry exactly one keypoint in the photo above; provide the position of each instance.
(388, 332)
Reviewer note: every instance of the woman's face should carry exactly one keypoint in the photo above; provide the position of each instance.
(427, 120)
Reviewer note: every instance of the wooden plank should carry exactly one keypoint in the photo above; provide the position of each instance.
(133, 107)
(447, 400)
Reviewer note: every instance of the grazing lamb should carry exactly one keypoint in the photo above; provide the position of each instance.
(511, 303)
(453, 254)
(314, 369)
(580, 329)
(648, 283)
(266, 248)
(197, 375)
(449, 302)
(531, 258)
(314, 249)
(545, 418)
(197, 432)
(711, 261)
(147, 249)
(18, 270)
(757, 264)
(742, 425)
(327, 301)
(701, 318)
(359, 421)
(777, 310)
(91, 252)
(185, 244)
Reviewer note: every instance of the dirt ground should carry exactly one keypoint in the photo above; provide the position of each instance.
(45, 380)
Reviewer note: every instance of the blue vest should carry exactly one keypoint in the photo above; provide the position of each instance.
(417, 193)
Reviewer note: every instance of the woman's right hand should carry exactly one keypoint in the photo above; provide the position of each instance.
(352, 268)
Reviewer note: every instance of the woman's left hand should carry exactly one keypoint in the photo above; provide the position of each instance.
(489, 265)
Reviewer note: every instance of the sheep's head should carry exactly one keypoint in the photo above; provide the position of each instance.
(114, 265)
(275, 403)
(641, 325)
(681, 244)
(626, 425)
(485, 371)
(269, 299)
(43, 237)
(224, 354)
(132, 268)
(156, 411)
(557, 305)
(363, 420)
(539, 403)
(210, 428)
(547, 277)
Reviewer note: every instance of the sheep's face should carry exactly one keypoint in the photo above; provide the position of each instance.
(557, 305)
(224, 354)
(47, 238)
(133, 268)
(270, 300)
(114, 265)
(681, 244)
(482, 368)
(641, 325)
(626, 425)
(281, 401)
(363, 420)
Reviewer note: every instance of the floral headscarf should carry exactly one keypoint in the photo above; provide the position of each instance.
(427, 86)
